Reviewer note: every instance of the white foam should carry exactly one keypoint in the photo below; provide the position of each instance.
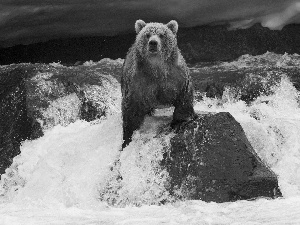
(66, 164)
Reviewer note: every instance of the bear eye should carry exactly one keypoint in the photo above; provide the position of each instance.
(148, 35)
(161, 36)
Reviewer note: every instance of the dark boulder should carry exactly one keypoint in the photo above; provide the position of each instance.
(212, 160)
(15, 124)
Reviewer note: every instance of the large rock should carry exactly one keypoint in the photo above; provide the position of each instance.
(212, 160)
(208, 159)
(15, 125)
(36, 97)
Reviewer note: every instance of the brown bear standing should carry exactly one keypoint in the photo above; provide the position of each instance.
(154, 73)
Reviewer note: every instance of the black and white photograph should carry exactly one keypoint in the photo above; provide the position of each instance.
(149, 112)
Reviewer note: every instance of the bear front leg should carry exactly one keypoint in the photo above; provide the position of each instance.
(184, 110)
(133, 116)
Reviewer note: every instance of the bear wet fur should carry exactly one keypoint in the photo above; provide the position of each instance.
(154, 73)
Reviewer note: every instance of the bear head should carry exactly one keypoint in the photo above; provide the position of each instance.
(156, 40)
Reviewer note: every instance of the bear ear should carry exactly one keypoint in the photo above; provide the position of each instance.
(139, 25)
(173, 26)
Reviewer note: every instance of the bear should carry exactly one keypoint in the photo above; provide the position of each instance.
(154, 74)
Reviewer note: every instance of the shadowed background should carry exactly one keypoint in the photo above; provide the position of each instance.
(30, 21)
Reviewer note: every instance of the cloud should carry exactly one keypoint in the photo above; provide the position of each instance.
(279, 19)
(275, 20)
(33, 20)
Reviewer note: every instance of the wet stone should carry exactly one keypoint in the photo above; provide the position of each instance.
(210, 159)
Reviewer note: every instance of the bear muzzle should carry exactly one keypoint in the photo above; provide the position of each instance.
(153, 46)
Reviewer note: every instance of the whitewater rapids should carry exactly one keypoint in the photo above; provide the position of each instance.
(56, 178)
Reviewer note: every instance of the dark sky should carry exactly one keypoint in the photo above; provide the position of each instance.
(28, 21)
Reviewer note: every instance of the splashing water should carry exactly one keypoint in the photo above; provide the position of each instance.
(65, 165)
(143, 180)
(60, 177)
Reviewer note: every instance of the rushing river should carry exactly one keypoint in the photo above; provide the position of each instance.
(56, 178)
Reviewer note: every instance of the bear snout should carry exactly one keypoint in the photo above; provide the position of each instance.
(153, 46)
